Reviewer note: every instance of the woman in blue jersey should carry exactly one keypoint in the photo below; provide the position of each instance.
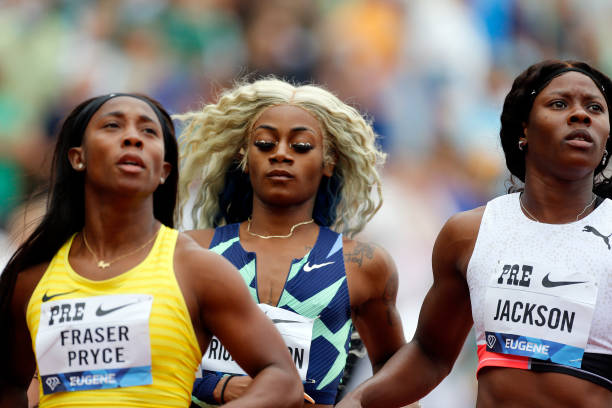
(531, 269)
(108, 303)
(280, 179)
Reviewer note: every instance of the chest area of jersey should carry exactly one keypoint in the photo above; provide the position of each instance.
(541, 308)
(94, 342)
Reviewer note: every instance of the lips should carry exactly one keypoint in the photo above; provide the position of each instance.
(580, 134)
(580, 138)
(130, 161)
(279, 175)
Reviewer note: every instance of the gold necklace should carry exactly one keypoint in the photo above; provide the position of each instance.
(536, 220)
(103, 264)
(276, 236)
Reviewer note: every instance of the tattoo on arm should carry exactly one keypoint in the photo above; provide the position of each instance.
(389, 296)
(361, 250)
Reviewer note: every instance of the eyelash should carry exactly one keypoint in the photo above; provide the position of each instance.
(114, 125)
(555, 104)
(598, 106)
(300, 147)
(594, 105)
(265, 145)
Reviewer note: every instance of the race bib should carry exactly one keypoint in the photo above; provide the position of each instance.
(540, 313)
(295, 329)
(94, 343)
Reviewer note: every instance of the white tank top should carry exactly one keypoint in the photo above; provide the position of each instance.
(533, 263)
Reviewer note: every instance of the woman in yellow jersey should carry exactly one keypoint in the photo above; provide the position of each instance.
(105, 300)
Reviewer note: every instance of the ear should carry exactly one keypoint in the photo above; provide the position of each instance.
(524, 125)
(328, 169)
(166, 169)
(76, 157)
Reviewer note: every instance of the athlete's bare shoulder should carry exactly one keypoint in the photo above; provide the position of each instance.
(190, 257)
(370, 270)
(466, 223)
(456, 240)
(26, 283)
(202, 236)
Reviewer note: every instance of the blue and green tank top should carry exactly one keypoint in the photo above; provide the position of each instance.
(316, 287)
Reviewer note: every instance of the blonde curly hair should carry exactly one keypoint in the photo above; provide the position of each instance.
(215, 141)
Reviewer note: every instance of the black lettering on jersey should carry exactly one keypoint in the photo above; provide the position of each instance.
(554, 318)
(216, 351)
(511, 273)
(298, 356)
(212, 350)
(66, 312)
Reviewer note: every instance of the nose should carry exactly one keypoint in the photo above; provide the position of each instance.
(282, 154)
(579, 115)
(131, 137)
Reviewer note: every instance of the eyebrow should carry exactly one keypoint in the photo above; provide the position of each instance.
(568, 94)
(294, 129)
(142, 117)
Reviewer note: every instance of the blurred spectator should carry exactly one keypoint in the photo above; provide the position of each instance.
(431, 75)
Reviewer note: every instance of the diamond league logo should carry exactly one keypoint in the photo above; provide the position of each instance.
(52, 382)
(491, 340)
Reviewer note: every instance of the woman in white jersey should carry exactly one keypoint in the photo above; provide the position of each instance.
(105, 300)
(532, 269)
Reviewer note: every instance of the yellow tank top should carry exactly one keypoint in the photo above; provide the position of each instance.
(127, 341)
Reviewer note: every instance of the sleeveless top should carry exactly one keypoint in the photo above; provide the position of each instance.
(127, 341)
(541, 294)
(315, 288)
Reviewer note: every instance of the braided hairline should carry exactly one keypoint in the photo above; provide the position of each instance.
(214, 137)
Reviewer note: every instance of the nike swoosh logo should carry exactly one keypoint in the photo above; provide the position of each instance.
(47, 298)
(284, 321)
(102, 312)
(308, 267)
(547, 283)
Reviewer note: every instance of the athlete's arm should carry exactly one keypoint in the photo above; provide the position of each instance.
(17, 373)
(373, 283)
(203, 237)
(227, 310)
(444, 321)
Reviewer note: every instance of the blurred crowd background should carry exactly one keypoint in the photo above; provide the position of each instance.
(430, 74)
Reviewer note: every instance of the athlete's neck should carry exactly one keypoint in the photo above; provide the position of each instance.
(111, 226)
(555, 202)
(268, 220)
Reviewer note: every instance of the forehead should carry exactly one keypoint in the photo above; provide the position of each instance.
(126, 105)
(573, 82)
(289, 116)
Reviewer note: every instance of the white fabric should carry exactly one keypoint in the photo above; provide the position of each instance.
(577, 251)
(94, 342)
(295, 329)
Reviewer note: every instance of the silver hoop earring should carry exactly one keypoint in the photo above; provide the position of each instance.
(605, 156)
(522, 144)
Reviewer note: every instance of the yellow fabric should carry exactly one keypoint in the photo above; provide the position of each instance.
(175, 352)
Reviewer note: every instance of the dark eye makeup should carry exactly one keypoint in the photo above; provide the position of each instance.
(301, 147)
(265, 145)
